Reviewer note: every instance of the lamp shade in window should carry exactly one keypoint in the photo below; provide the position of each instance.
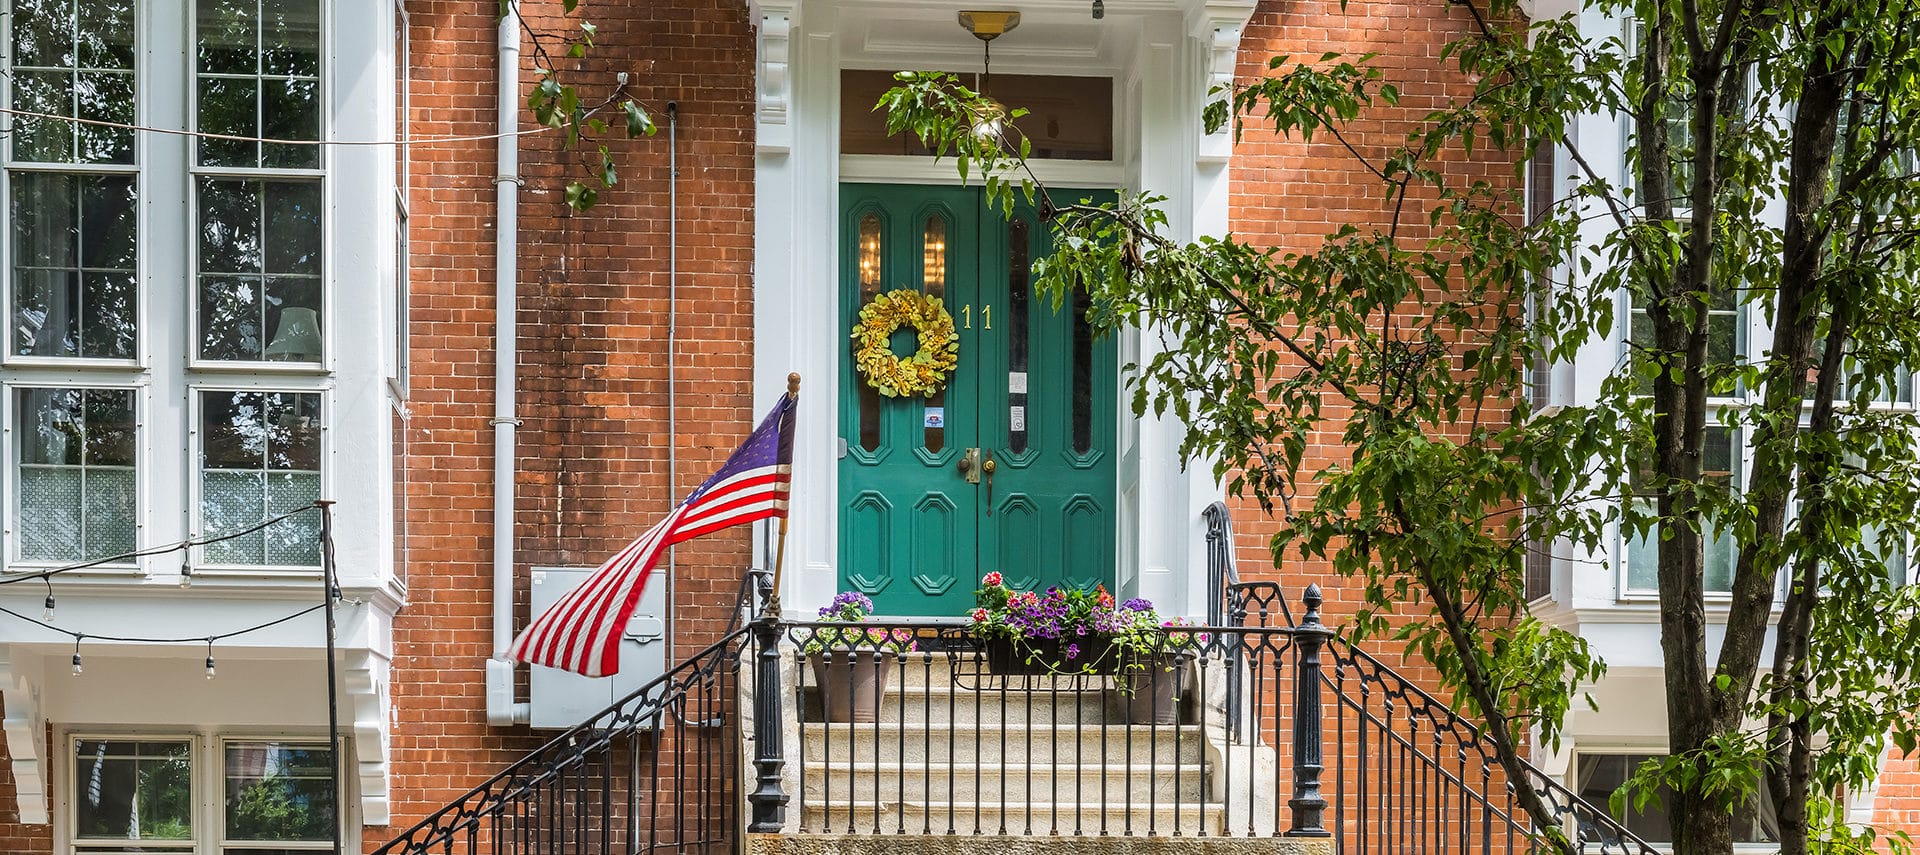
(297, 339)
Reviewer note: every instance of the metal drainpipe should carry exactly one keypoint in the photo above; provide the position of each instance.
(501, 708)
(673, 342)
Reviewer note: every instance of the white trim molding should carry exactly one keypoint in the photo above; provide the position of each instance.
(1219, 27)
(773, 84)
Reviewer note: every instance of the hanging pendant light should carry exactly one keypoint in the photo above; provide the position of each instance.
(990, 115)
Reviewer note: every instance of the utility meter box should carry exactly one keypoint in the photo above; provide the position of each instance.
(562, 699)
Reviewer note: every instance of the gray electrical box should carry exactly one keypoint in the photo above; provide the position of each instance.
(561, 699)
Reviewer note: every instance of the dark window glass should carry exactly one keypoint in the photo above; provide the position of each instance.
(73, 265)
(278, 791)
(260, 270)
(933, 278)
(258, 65)
(869, 255)
(74, 59)
(76, 475)
(1082, 375)
(1019, 293)
(128, 790)
(1601, 774)
(1068, 118)
(259, 458)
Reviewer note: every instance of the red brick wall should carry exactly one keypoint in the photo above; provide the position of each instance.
(1291, 194)
(593, 354)
(1896, 805)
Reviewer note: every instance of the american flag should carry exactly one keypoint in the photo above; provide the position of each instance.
(581, 633)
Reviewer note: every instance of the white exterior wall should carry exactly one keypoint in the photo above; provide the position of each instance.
(274, 678)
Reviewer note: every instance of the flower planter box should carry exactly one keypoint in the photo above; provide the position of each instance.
(1095, 654)
(851, 682)
(1153, 687)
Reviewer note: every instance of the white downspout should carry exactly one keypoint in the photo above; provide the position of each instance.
(501, 709)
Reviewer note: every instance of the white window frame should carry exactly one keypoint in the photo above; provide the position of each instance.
(1624, 590)
(195, 487)
(10, 458)
(399, 371)
(142, 78)
(321, 173)
(207, 754)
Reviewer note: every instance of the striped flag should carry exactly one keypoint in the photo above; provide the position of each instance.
(581, 633)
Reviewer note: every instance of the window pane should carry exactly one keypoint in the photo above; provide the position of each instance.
(1082, 374)
(1019, 293)
(126, 790)
(933, 279)
(73, 58)
(260, 286)
(73, 265)
(259, 458)
(259, 74)
(277, 791)
(1602, 774)
(76, 475)
(868, 253)
(1721, 466)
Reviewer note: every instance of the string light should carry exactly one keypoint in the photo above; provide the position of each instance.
(47, 613)
(186, 573)
(209, 657)
(76, 654)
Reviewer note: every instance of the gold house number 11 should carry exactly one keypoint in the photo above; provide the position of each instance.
(986, 316)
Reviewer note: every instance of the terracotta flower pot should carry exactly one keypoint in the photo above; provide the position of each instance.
(851, 682)
(1153, 686)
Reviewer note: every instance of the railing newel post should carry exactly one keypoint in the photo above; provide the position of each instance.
(768, 800)
(1307, 806)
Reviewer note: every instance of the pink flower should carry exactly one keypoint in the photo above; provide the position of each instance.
(993, 579)
(979, 615)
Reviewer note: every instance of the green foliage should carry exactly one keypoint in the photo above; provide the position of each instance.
(1408, 339)
(556, 103)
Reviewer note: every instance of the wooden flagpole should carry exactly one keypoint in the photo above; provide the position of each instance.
(780, 551)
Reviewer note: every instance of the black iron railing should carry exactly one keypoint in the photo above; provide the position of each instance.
(654, 772)
(1239, 731)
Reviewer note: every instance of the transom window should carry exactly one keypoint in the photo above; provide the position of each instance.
(73, 59)
(153, 794)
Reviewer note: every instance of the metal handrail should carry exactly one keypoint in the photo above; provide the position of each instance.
(1352, 750)
(518, 804)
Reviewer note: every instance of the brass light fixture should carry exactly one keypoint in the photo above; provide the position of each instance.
(986, 26)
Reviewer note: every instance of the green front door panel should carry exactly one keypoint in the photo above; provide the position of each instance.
(1033, 392)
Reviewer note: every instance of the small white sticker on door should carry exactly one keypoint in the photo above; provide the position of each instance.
(1016, 418)
(936, 417)
(1017, 382)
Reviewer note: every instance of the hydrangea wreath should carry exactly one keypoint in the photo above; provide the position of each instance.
(927, 370)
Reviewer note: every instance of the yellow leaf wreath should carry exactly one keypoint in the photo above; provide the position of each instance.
(927, 370)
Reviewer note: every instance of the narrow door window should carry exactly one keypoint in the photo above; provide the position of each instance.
(1019, 291)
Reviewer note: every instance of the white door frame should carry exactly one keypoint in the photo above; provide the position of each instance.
(1163, 60)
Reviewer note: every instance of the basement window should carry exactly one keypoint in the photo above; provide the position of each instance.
(1599, 775)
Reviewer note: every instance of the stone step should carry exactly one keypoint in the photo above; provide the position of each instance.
(921, 741)
(964, 817)
(1142, 785)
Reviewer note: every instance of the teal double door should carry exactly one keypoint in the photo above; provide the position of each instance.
(1011, 466)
